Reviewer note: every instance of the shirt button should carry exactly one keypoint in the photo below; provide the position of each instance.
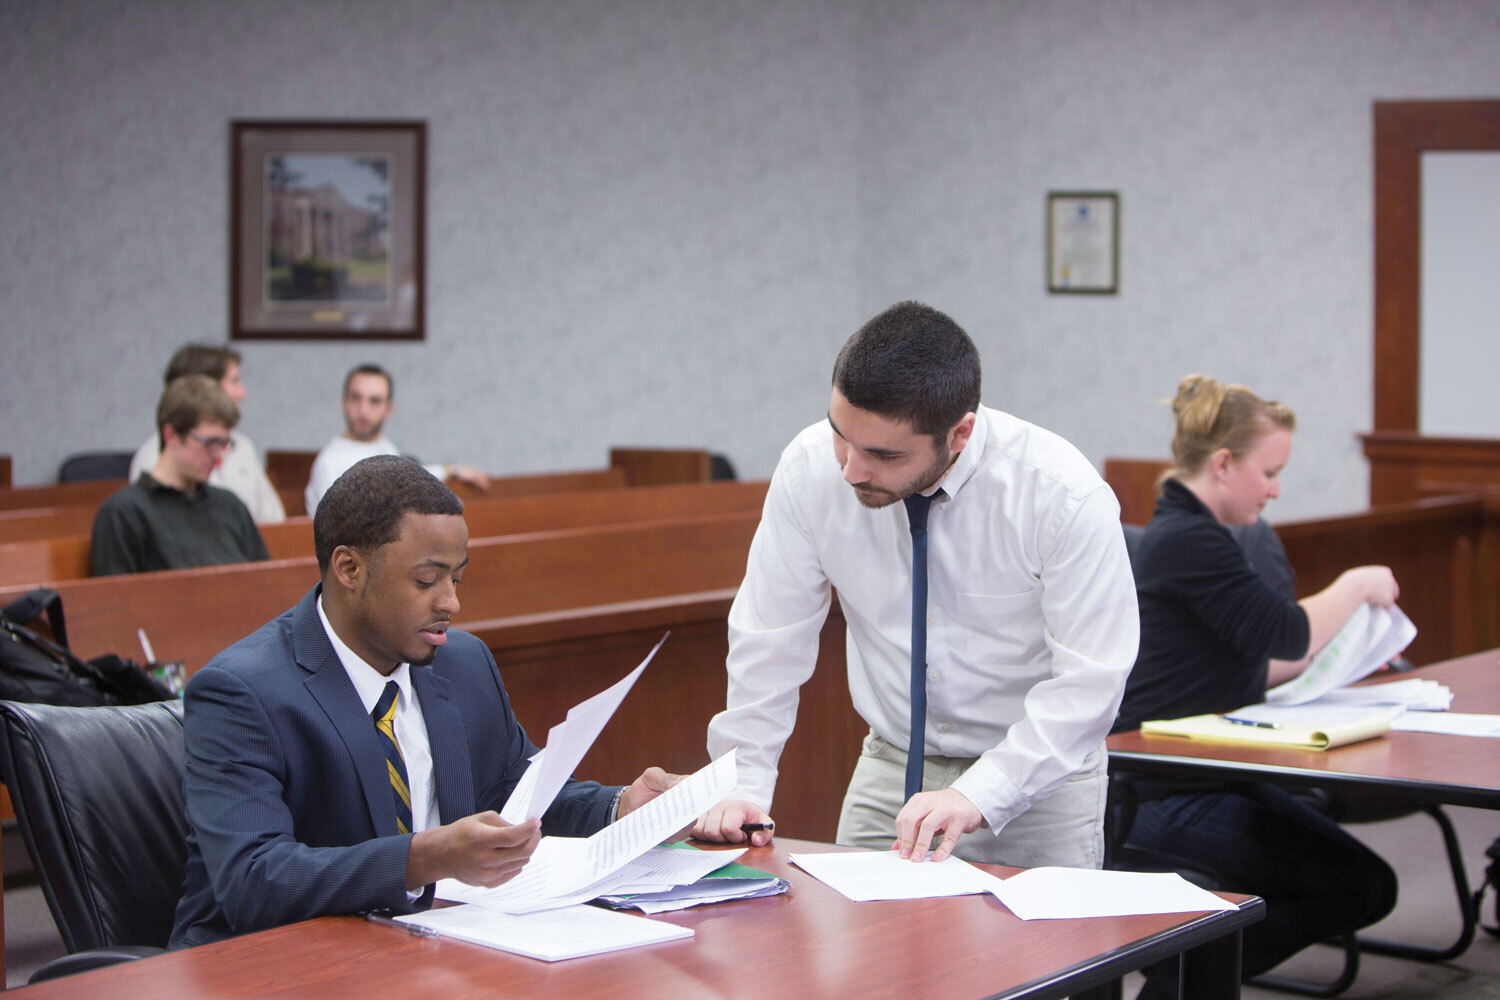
(932, 619)
(933, 675)
(945, 728)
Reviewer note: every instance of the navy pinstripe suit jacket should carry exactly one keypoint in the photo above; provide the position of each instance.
(289, 809)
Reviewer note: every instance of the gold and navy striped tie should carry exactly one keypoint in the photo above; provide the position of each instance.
(385, 724)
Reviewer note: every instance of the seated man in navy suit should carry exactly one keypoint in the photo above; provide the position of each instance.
(308, 790)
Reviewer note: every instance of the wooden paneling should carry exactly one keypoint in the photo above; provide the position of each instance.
(58, 495)
(66, 557)
(653, 466)
(1433, 548)
(289, 470)
(541, 484)
(1405, 465)
(191, 614)
(32, 523)
(1134, 481)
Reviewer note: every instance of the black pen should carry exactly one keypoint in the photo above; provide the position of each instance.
(419, 931)
(756, 827)
(1251, 722)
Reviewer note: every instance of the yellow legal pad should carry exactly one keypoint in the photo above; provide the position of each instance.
(1217, 729)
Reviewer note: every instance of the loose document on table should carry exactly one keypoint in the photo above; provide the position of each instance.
(1035, 894)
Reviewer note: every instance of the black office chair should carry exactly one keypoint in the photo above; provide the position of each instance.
(719, 467)
(98, 797)
(95, 465)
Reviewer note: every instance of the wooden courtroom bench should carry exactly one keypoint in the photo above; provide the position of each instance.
(1134, 483)
(192, 614)
(92, 491)
(67, 557)
(654, 466)
(76, 515)
(30, 523)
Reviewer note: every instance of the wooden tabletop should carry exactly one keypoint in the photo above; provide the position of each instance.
(810, 942)
(1427, 767)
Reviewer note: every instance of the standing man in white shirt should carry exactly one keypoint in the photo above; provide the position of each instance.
(369, 398)
(1030, 622)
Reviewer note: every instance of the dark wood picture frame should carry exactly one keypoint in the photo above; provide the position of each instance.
(1078, 248)
(327, 230)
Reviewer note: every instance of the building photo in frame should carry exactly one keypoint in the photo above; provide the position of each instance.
(326, 229)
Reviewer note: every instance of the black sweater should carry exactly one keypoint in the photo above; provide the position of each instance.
(1208, 620)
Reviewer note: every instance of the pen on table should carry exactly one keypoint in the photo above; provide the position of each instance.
(1251, 722)
(381, 918)
(140, 634)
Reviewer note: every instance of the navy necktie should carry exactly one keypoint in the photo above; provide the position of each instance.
(917, 507)
(385, 724)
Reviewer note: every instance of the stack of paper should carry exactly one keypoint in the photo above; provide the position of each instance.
(1413, 694)
(732, 881)
(551, 936)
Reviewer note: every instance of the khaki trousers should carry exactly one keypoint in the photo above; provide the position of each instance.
(1066, 828)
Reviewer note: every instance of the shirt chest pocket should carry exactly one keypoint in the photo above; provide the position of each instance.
(1000, 627)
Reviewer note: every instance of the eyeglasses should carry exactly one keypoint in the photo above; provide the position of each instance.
(213, 443)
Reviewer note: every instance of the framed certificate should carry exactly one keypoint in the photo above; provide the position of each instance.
(1083, 242)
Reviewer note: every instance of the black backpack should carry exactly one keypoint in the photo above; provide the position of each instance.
(36, 669)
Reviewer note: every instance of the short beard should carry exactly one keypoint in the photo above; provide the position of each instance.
(876, 498)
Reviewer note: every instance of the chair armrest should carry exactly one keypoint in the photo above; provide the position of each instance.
(93, 958)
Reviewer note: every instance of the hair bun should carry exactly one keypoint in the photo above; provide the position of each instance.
(1197, 402)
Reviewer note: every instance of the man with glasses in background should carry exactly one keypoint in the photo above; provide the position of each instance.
(170, 518)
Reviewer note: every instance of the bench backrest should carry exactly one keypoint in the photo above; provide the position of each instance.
(66, 557)
(192, 614)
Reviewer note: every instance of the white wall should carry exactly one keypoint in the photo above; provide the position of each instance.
(654, 222)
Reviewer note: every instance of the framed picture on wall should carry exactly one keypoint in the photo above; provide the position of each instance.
(327, 221)
(1083, 242)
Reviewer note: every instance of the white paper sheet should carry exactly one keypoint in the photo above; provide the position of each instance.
(1371, 637)
(551, 936)
(567, 742)
(867, 875)
(1453, 723)
(1041, 893)
(1067, 893)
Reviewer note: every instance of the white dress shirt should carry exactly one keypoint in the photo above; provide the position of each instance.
(336, 458)
(240, 472)
(410, 726)
(1031, 615)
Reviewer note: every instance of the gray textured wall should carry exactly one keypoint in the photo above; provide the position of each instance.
(653, 222)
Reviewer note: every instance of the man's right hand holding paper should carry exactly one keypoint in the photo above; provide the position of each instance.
(481, 849)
